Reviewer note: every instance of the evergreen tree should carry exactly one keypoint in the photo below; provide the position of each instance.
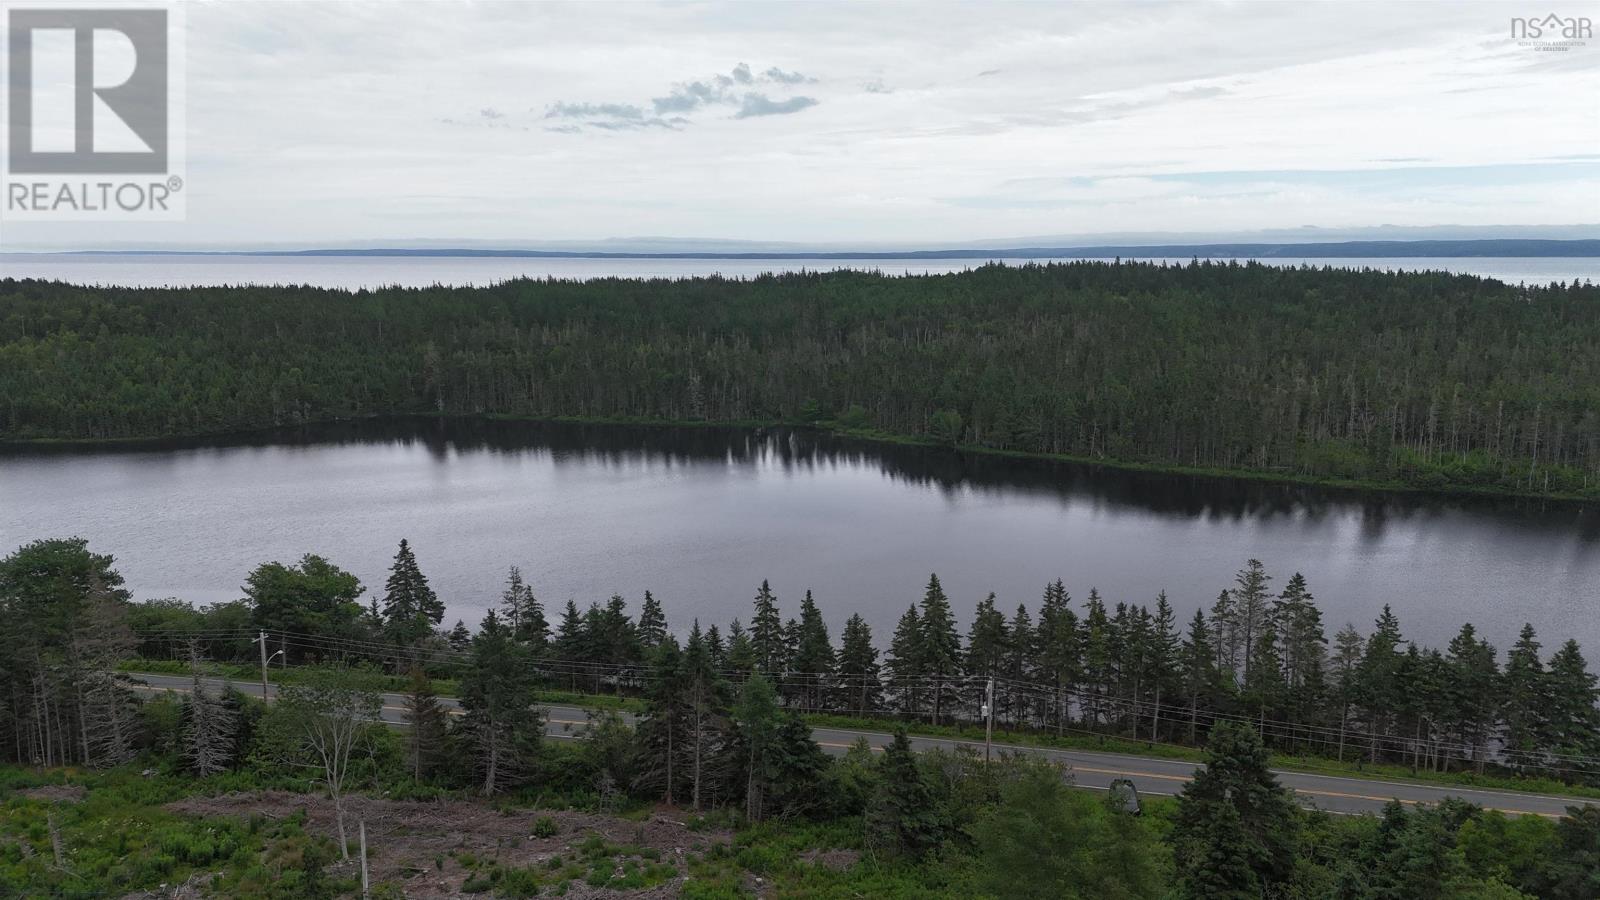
(859, 682)
(1234, 809)
(987, 641)
(664, 723)
(1573, 719)
(523, 613)
(902, 819)
(1523, 694)
(716, 649)
(742, 656)
(1056, 645)
(652, 627)
(1378, 686)
(758, 720)
(1470, 691)
(425, 726)
(459, 639)
(1250, 608)
(706, 696)
(1024, 656)
(615, 636)
(572, 640)
(410, 607)
(1348, 648)
(766, 633)
(905, 661)
(1304, 648)
(1099, 670)
(939, 645)
(497, 693)
(1202, 683)
(1226, 636)
(1265, 689)
(813, 656)
(1166, 663)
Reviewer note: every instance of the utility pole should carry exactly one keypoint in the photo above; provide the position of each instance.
(262, 640)
(988, 718)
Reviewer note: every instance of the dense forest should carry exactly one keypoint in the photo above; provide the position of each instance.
(1422, 379)
(720, 736)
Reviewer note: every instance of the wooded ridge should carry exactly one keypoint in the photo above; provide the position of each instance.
(1426, 379)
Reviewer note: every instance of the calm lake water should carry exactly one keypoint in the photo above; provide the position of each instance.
(700, 516)
(415, 271)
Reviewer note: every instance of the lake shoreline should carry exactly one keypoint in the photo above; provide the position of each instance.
(170, 441)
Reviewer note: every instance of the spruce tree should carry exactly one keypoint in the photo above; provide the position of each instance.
(663, 725)
(571, 643)
(1265, 689)
(459, 639)
(905, 661)
(859, 683)
(716, 649)
(813, 656)
(758, 720)
(1202, 683)
(497, 693)
(652, 627)
(1523, 696)
(410, 607)
(766, 632)
(939, 645)
(1165, 660)
(1099, 670)
(1574, 720)
(523, 613)
(1225, 637)
(902, 819)
(1378, 687)
(1024, 656)
(1232, 810)
(705, 699)
(1056, 645)
(1348, 647)
(1471, 691)
(1250, 608)
(986, 641)
(425, 726)
(742, 656)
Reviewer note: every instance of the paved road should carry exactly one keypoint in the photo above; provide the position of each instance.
(1335, 793)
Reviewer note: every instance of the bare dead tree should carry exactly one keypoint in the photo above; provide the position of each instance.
(331, 715)
(208, 734)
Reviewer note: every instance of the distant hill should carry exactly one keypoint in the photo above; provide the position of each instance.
(1329, 250)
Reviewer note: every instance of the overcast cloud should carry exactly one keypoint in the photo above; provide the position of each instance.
(316, 124)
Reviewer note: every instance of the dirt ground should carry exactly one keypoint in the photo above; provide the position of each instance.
(54, 793)
(406, 839)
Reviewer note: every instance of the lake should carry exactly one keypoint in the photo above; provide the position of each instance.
(351, 272)
(700, 516)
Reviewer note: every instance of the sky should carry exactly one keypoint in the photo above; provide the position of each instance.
(865, 123)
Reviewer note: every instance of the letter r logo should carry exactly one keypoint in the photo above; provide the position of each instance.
(73, 87)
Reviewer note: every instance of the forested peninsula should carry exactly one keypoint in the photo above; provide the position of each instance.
(1425, 380)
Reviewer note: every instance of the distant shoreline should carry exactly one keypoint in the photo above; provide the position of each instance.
(1318, 250)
